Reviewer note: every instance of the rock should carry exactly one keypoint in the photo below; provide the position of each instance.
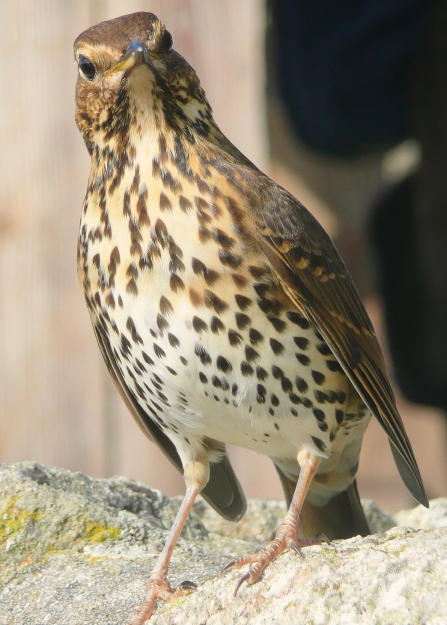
(78, 551)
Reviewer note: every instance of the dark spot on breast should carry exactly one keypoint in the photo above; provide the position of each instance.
(320, 397)
(301, 342)
(286, 385)
(200, 268)
(135, 238)
(212, 301)
(295, 399)
(260, 397)
(203, 378)
(239, 280)
(170, 182)
(223, 364)
(130, 325)
(319, 444)
(255, 337)
(297, 319)
(136, 181)
(258, 273)
(324, 349)
(341, 397)
(165, 202)
(126, 347)
(131, 288)
(201, 353)
(277, 323)
(204, 234)
(126, 204)
(222, 238)
(110, 300)
(319, 378)
(184, 204)
(231, 260)
(132, 271)
(319, 414)
(216, 325)
(277, 372)
(261, 288)
(147, 358)
(242, 320)
(274, 400)
(323, 426)
(173, 340)
(301, 384)
(162, 324)
(159, 352)
(250, 353)
(176, 283)
(96, 261)
(302, 359)
(306, 402)
(276, 346)
(269, 306)
(246, 369)
(165, 306)
(202, 186)
(234, 337)
(143, 217)
(242, 301)
(199, 325)
(261, 374)
(216, 381)
(202, 207)
(161, 232)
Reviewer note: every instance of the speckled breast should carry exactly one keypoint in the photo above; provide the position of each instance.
(205, 339)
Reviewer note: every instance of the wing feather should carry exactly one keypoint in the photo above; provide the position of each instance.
(317, 281)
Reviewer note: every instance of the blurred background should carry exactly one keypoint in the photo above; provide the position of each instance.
(57, 404)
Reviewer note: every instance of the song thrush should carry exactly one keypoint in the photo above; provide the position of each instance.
(222, 309)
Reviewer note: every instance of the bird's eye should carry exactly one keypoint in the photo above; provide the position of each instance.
(86, 67)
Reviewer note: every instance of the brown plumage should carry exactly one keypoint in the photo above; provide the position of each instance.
(222, 309)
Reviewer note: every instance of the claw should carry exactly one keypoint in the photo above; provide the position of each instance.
(240, 582)
(228, 566)
(187, 587)
(322, 538)
(296, 549)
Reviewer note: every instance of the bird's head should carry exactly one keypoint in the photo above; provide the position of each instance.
(132, 83)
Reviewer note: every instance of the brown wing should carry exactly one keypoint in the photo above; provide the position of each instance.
(317, 281)
(223, 491)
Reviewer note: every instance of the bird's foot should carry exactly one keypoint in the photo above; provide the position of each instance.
(159, 588)
(286, 538)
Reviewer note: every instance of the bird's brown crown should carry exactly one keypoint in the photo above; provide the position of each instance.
(128, 72)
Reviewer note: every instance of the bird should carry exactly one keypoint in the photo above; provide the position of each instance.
(221, 307)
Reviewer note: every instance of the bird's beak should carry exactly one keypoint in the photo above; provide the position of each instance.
(135, 54)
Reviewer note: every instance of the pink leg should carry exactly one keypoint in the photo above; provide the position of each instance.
(158, 587)
(287, 534)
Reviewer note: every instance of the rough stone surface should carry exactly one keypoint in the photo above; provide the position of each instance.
(78, 551)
